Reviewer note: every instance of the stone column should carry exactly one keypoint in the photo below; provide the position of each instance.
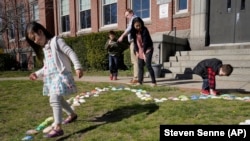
(199, 22)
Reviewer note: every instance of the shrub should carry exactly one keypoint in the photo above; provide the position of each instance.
(8, 62)
(90, 49)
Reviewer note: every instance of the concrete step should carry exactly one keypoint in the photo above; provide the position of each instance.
(192, 63)
(182, 70)
(180, 66)
(214, 52)
(233, 77)
(202, 57)
(229, 46)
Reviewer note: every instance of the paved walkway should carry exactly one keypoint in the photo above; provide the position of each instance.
(225, 86)
(192, 84)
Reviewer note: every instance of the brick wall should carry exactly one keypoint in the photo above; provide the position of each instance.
(49, 17)
(155, 24)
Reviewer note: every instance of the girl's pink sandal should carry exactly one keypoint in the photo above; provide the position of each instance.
(69, 120)
(55, 133)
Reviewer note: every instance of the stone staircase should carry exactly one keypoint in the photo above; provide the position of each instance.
(180, 66)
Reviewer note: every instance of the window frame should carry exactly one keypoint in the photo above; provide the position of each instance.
(22, 23)
(1, 20)
(102, 15)
(149, 10)
(60, 15)
(34, 11)
(79, 16)
(178, 10)
(11, 26)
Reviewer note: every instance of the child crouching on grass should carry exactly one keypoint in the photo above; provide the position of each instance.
(208, 69)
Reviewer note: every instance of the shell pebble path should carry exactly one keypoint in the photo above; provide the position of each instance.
(140, 93)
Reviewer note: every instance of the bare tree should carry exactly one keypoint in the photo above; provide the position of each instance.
(14, 15)
(2, 18)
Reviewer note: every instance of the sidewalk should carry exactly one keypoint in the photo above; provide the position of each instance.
(226, 86)
(191, 84)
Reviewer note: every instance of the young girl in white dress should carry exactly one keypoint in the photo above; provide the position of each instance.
(56, 72)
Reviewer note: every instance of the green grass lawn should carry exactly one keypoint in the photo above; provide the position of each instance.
(87, 73)
(113, 115)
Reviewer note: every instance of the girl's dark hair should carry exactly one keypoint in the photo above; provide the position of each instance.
(133, 30)
(35, 27)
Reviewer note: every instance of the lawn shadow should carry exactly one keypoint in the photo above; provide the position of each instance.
(125, 112)
(117, 115)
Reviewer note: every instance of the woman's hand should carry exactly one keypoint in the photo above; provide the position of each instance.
(137, 54)
(148, 50)
(144, 57)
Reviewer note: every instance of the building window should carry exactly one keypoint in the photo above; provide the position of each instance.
(11, 31)
(34, 11)
(1, 15)
(22, 24)
(85, 14)
(65, 22)
(110, 12)
(1, 23)
(11, 26)
(181, 6)
(243, 5)
(141, 8)
(229, 6)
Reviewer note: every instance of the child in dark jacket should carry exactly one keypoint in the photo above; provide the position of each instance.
(208, 69)
(114, 50)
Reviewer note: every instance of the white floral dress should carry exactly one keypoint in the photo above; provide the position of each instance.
(55, 82)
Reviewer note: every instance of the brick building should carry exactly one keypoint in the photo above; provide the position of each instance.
(14, 16)
(76, 17)
(69, 18)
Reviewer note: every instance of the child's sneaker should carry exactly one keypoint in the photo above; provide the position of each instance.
(55, 133)
(153, 84)
(111, 77)
(205, 92)
(215, 93)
